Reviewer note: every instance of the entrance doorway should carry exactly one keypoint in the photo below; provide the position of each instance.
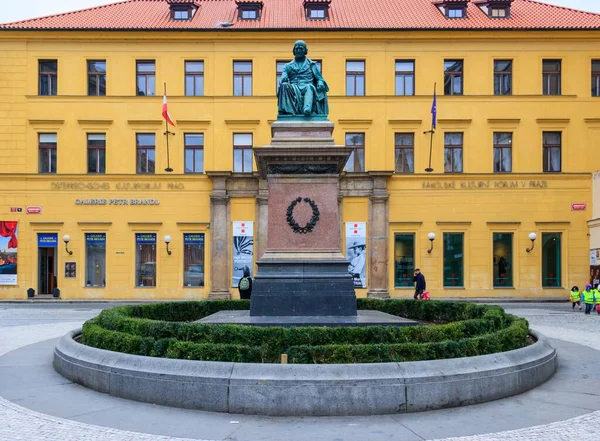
(47, 262)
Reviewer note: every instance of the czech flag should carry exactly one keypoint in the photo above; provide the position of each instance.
(165, 111)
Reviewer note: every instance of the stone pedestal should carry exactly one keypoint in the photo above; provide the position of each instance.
(302, 273)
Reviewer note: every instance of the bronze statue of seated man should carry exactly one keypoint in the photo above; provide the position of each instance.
(302, 91)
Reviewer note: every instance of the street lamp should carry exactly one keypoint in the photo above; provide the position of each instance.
(66, 240)
(532, 238)
(167, 240)
(431, 237)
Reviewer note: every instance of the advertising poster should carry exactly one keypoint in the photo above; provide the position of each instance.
(594, 267)
(70, 270)
(8, 252)
(243, 250)
(356, 252)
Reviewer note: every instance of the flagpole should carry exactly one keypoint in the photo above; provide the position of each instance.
(167, 133)
(432, 131)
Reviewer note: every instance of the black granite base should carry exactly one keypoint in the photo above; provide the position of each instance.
(301, 288)
(363, 318)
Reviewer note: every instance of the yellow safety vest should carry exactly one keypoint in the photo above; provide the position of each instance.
(575, 296)
(588, 297)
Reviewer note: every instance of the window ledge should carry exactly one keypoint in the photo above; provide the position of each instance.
(504, 287)
(455, 287)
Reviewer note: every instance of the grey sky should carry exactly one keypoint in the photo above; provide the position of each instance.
(39, 8)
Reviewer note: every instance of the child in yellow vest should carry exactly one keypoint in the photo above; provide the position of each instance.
(597, 294)
(575, 297)
(589, 298)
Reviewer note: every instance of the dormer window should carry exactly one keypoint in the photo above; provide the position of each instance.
(182, 10)
(496, 8)
(455, 12)
(181, 14)
(249, 10)
(317, 9)
(499, 12)
(453, 8)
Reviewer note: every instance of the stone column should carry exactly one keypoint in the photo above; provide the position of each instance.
(378, 237)
(220, 247)
(262, 218)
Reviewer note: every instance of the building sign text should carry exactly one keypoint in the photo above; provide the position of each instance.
(475, 185)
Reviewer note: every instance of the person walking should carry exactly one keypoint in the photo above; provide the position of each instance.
(420, 285)
(575, 297)
(589, 298)
(245, 284)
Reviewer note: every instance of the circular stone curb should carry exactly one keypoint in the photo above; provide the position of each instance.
(307, 390)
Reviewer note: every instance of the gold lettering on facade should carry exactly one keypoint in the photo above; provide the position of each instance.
(476, 185)
(79, 185)
(66, 185)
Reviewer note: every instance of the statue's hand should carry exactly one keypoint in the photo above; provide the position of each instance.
(321, 86)
(285, 80)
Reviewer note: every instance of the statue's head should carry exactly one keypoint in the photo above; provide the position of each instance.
(300, 48)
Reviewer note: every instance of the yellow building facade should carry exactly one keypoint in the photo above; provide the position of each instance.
(482, 218)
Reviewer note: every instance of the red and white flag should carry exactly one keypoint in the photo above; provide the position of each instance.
(165, 111)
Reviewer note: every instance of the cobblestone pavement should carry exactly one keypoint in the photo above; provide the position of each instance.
(24, 326)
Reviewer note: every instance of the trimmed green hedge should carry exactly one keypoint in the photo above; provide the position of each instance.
(167, 330)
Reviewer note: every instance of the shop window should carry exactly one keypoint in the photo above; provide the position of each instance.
(146, 78)
(194, 152)
(96, 147)
(95, 259)
(502, 77)
(48, 77)
(454, 260)
(145, 259)
(47, 152)
(405, 152)
(596, 78)
(502, 152)
(453, 77)
(552, 151)
(503, 260)
(242, 78)
(453, 153)
(405, 77)
(242, 152)
(551, 260)
(194, 78)
(404, 260)
(551, 77)
(355, 78)
(356, 161)
(96, 78)
(193, 259)
(145, 153)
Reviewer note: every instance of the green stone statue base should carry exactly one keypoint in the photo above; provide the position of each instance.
(302, 118)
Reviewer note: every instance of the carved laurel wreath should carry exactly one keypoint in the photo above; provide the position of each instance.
(311, 223)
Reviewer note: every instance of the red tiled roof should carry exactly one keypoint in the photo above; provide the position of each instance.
(289, 14)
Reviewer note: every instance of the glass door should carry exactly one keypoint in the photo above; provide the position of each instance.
(47, 262)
